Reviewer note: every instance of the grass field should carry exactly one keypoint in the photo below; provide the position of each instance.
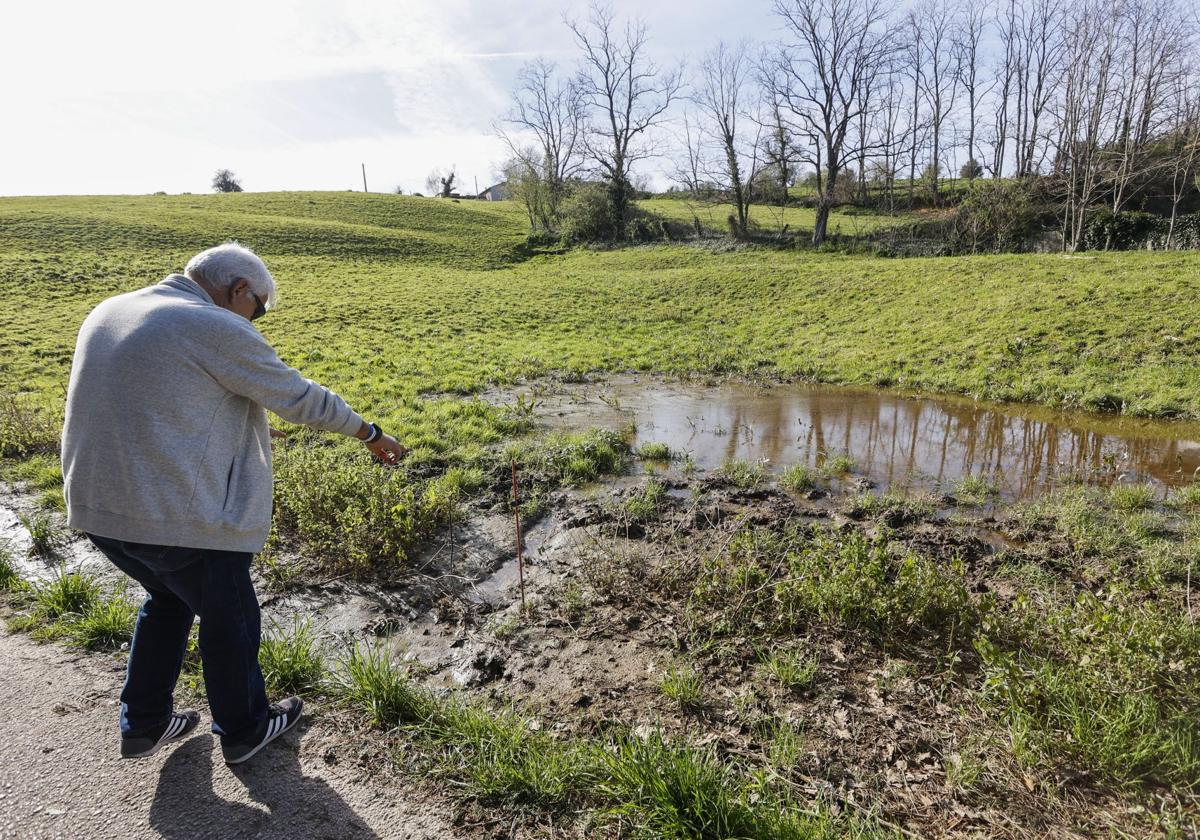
(387, 297)
(1061, 670)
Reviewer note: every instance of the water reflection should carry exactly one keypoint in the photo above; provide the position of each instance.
(894, 439)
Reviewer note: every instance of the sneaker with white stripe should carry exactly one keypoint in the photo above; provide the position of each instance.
(179, 726)
(281, 717)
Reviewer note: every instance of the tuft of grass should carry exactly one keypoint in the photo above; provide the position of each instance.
(1186, 497)
(503, 760)
(372, 680)
(682, 684)
(784, 742)
(644, 505)
(793, 670)
(292, 659)
(579, 458)
(837, 465)
(743, 474)
(1131, 498)
(67, 594)
(654, 452)
(799, 478)
(780, 583)
(10, 578)
(106, 624)
(893, 508)
(975, 490)
(46, 536)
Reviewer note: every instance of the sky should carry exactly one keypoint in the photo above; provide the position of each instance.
(134, 96)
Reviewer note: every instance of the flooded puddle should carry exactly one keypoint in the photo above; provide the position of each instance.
(894, 440)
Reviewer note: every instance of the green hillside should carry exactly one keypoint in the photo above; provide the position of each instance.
(385, 297)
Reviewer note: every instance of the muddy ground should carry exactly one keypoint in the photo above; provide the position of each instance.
(607, 614)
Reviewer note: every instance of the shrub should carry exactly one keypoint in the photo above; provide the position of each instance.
(354, 514)
(590, 215)
(996, 216)
(1121, 231)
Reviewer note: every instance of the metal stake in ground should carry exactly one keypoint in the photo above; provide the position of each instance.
(516, 498)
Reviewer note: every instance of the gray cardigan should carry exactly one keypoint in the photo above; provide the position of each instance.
(166, 438)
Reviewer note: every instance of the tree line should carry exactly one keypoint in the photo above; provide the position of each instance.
(1090, 106)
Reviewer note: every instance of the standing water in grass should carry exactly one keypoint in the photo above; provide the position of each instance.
(898, 441)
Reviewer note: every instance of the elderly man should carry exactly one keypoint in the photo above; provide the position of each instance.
(167, 464)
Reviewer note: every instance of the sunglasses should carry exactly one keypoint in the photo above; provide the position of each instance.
(260, 308)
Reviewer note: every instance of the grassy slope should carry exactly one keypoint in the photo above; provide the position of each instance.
(769, 218)
(384, 297)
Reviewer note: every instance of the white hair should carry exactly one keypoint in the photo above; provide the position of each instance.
(229, 262)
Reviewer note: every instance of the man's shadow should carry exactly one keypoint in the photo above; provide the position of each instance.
(186, 807)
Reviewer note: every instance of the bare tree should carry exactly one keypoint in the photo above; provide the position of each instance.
(968, 37)
(913, 63)
(1185, 147)
(780, 154)
(1155, 38)
(938, 81)
(721, 96)
(627, 94)
(1041, 39)
(225, 181)
(1005, 74)
(836, 49)
(1090, 71)
(690, 166)
(551, 110)
(894, 134)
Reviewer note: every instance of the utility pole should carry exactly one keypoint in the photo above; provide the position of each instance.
(364, 168)
(477, 186)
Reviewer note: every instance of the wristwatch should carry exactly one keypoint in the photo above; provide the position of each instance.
(376, 434)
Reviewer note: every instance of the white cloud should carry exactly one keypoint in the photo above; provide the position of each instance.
(139, 95)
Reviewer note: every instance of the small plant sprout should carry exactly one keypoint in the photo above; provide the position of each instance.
(792, 670)
(681, 683)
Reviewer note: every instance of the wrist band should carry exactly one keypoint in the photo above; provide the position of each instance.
(376, 434)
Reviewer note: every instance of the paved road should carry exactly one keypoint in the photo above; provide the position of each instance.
(61, 775)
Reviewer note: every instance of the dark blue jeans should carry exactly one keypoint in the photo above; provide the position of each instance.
(183, 583)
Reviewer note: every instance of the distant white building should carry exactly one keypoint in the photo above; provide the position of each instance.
(496, 192)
